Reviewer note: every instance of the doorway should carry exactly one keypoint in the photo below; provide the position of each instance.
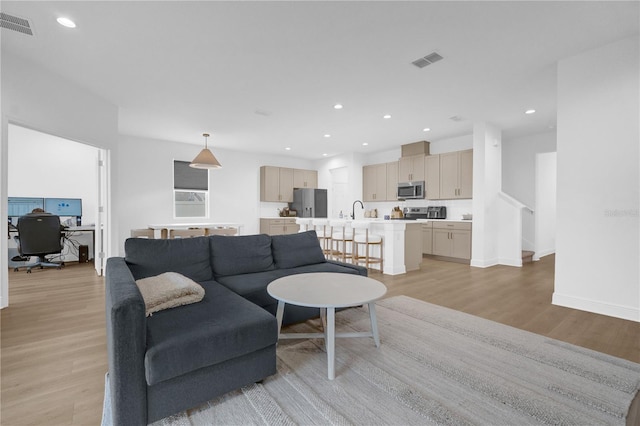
(339, 192)
(42, 165)
(545, 193)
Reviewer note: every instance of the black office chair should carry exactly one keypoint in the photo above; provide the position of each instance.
(39, 235)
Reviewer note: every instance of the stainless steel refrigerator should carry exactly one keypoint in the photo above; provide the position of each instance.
(309, 202)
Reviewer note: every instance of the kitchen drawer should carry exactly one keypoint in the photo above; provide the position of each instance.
(278, 226)
(463, 226)
(427, 225)
(282, 221)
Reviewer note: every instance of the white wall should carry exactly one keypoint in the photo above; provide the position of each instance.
(518, 164)
(597, 246)
(43, 165)
(458, 143)
(146, 185)
(518, 175)
(487, 171)
(545, 215)
(37, 99)
(352, 163)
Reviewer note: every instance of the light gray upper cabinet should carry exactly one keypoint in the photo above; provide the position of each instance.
(411, 169)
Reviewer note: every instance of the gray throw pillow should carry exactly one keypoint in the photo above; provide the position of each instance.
(293, 250)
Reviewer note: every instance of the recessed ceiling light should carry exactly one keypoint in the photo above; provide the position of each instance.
(288, 148)
(426, 129)
(365, 143)
(386, 116)
(325, 154)
(327, 135)
(530, 111)
(337, 106)
(66, 22)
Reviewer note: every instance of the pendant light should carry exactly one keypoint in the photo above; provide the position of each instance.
(206, 159)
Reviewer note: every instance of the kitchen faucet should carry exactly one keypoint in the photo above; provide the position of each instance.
(353, 208)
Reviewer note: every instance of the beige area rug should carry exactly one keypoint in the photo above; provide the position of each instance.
(434, 366)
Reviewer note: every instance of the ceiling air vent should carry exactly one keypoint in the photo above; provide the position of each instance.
(14, 23)
(427, 60)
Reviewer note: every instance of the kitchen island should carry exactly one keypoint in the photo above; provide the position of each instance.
(402, 244)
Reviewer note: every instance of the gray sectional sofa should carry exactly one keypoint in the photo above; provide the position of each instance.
(182, 357)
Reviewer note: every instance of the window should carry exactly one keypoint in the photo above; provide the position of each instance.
(190, 190)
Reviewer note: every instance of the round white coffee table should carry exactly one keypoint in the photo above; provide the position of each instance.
(327, 291)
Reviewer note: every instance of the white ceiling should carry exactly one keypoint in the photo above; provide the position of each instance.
(262, 76)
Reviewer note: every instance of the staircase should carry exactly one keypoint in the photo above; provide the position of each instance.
(527, 256)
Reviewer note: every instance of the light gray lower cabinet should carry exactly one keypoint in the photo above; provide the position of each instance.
(278, 226)
(427, 238)
(447, 239)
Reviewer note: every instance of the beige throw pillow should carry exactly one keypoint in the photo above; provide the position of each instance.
(168, 290)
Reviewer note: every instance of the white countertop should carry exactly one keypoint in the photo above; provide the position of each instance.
(381, 220)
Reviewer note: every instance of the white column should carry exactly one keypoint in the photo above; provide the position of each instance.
(487, 181)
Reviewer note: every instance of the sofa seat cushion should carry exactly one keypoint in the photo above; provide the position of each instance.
(292, 250)
(186, 256)
(253, 287)
(243, 254)
(222, 326)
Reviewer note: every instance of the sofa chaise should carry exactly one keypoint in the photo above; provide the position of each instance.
(181, 357)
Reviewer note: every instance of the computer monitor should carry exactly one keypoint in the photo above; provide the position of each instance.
(19, 206)
(63, 206)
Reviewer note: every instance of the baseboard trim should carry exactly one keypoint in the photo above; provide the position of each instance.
(393, 271)
(447, 258)
(596, 307)
(542, 253)
(511, 262)
(484, 263)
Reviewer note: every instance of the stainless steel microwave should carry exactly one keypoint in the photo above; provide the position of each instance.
(410, 190)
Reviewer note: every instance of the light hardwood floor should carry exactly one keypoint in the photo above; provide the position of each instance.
(53, 345)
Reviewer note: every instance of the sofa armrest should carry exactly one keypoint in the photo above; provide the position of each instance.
(361, 269)
(126, 344)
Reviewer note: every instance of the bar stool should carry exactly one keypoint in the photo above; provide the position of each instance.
(341, 239)
(323, 231)
(303, 223)
(186, 233)
(367, 239)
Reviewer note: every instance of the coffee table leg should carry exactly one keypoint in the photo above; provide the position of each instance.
(279, 315)
(374, 323)
(330, 339)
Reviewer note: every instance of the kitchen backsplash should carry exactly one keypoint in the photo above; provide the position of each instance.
(455, 208)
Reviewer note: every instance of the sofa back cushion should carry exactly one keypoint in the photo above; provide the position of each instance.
(187, 256)
(293, 250)
(244, 254)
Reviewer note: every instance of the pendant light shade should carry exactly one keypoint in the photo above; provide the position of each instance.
(206, 159)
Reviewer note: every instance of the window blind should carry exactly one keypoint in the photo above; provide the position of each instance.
(185, 177)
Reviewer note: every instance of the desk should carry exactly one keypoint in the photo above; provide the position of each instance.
(72, 231)
(164, 228)
(70, 242)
